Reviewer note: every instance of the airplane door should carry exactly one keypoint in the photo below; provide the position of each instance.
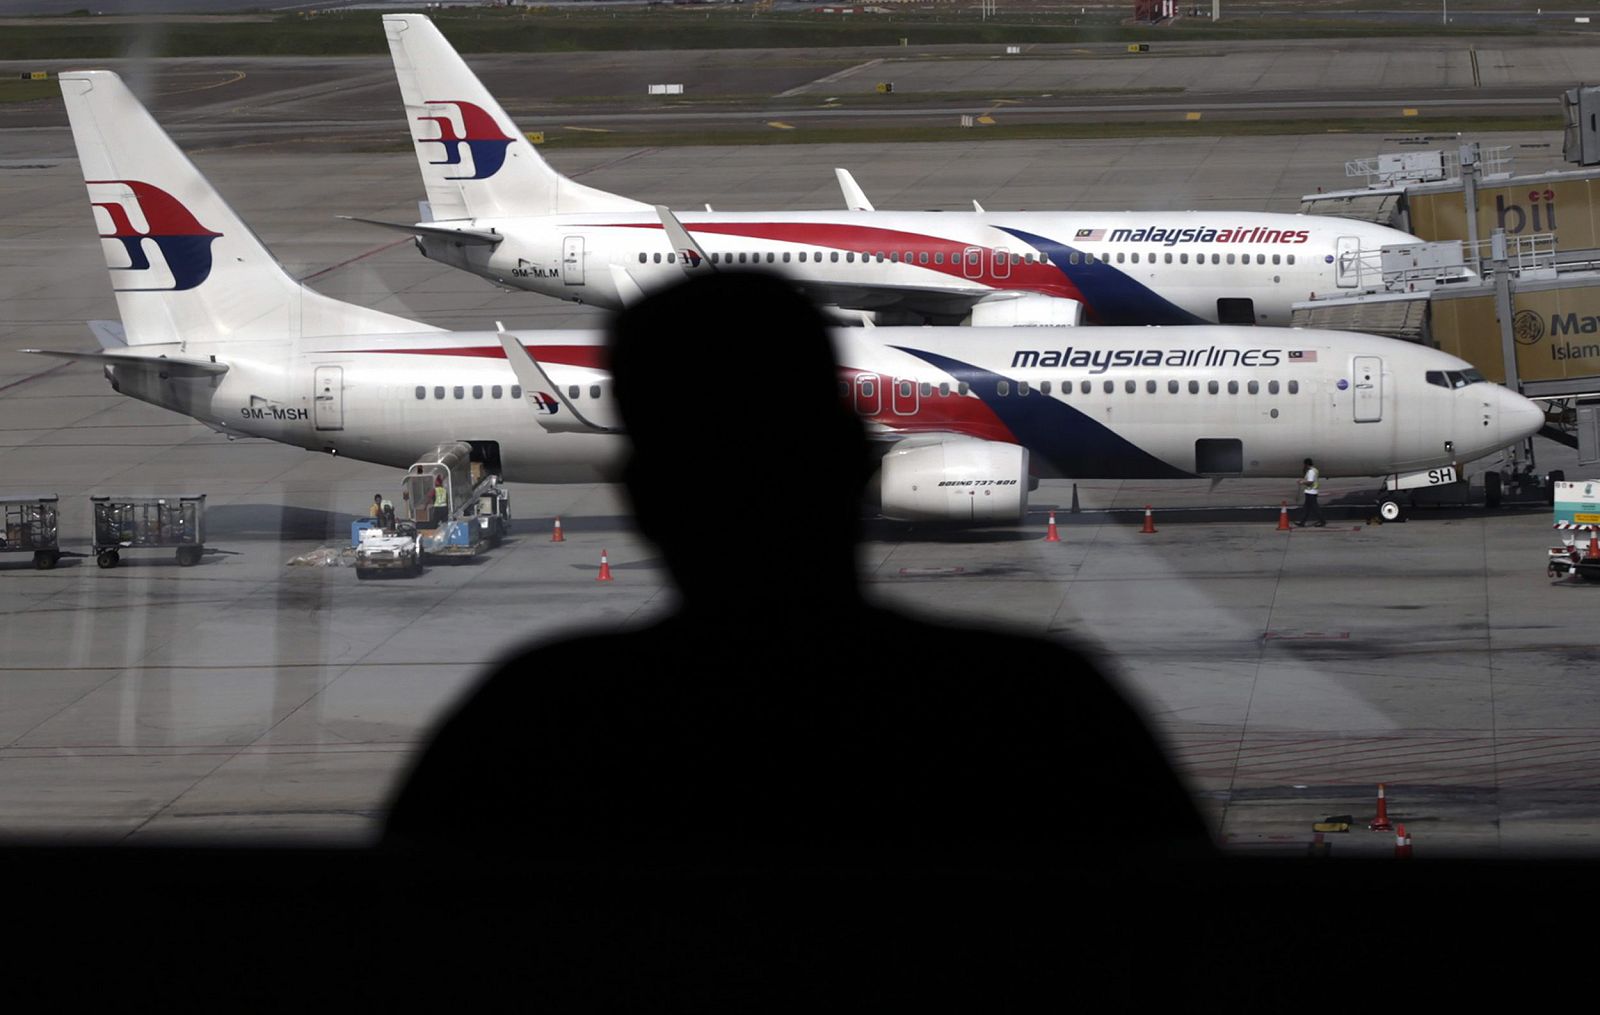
(972, 262)
(1002, 262)
(869, 398)
(328, 406)
(1369, 389)
(1347, 262)
(572, 260)
(903, 399)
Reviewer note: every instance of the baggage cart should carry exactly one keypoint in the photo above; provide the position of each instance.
(139, 522)
(31, 524)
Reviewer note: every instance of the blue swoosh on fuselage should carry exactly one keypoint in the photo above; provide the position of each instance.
(1068, 439)
(1113, 297)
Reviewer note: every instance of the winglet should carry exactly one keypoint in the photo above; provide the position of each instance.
(976, 206)
(690, 256)
(534, 378)
(854, 197)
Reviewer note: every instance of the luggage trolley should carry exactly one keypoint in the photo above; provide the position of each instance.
(134, 522)
(31, 526)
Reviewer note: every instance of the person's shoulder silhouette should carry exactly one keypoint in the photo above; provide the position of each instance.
(775, 718)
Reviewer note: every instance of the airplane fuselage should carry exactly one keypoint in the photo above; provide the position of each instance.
(1085, 402)
(1125, 268)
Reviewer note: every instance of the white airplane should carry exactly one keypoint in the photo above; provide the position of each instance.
(498, 210)
(213, 328)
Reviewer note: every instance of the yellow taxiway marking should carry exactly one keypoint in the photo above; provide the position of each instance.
(1191, 116)
(986, 119)
(587, 130)
(780, 125)
(1408, 112)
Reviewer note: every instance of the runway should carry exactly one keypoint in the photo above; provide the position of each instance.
(246, 700)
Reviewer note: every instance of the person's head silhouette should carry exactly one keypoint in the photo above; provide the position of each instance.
(729, 390)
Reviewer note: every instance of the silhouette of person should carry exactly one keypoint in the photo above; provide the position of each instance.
(775, 719)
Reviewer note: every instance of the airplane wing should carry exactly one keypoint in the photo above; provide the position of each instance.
(186, 367)
(854, 197)
(484, 237)
(628, 290)
(535, 378)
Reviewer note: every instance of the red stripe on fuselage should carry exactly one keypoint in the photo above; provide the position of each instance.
(871, 240)
(590, 356)
(952, 413)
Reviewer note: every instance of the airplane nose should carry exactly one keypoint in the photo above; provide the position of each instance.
(1519, 417)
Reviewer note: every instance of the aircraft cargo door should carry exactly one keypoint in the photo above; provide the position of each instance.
(329, 402)
(572, 260)
(1369, 389)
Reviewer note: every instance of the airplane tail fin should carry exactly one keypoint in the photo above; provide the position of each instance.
(183, 265)
(475, 162)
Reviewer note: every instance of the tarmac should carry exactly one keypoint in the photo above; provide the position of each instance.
(248, 701)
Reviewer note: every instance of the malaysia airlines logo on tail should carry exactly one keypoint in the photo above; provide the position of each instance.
(184, 244)
(690, 256)
(544, 403)
(479, 133)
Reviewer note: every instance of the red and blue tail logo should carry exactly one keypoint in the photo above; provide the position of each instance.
(184, 243)
(479, 133)
(544, 403)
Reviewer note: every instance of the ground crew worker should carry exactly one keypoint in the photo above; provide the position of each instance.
(441, 501)
(1309, 483)
(386, 513)
(377, 506)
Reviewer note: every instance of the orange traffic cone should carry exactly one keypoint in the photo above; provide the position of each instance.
(1594, 544)
(1051, 535)
(1381, 822)
(555, 535)
(1149, 521)
(605, 568)
(1283, 516)
(1402, 844)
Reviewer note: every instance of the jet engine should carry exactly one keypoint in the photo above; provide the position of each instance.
(957, 479)
(1026, 310)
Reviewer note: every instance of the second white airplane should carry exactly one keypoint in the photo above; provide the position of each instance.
(498, 210)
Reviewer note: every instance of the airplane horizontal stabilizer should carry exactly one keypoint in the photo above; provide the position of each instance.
(167, 366)
(473, 236)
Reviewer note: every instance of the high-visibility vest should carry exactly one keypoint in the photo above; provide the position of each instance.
(440, 497)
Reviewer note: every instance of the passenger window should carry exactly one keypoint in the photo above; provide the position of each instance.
(938, 257)
(785, 257)
(1294, 387)
(742, 257)
(1109, 386)
(850, 257)
(477, 391)
(922, 257)
(802, 257)
(1169, 258)
(844, 389)
(422, 392)
(905, 389)
(1211, 387)
(1149, 387)
(1277, 259)
(1233, 387)
(1194, 387)
(1230, 258)
(438, 392)
(1002, 388)
(459, 391)
(1121, 257)
(497, 392)
(643, 257)
(1255, 387)
(1261, 258)
(926, 389)
(1217, 258)
(1085, 387)
(1022, 388)
(1172, 387)
(1044, 387)
(672, 258)
(944, 389)
(1272, 387)
(594, 391)
(516, 391)
(1291, 258)
(962, 388)
(1131, 387)
(1136, 257)
(834, 257)
(867, 388)
(1183, 258)
(769, 257)
(1016, 258)
(572, 391)
(1072, 258)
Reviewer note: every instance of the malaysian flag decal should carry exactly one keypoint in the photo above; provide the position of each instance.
(1091, 234)
(1303, 355)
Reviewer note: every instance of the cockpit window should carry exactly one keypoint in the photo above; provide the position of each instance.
(1454, 378)
(1437, 377)
(1473, 377)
